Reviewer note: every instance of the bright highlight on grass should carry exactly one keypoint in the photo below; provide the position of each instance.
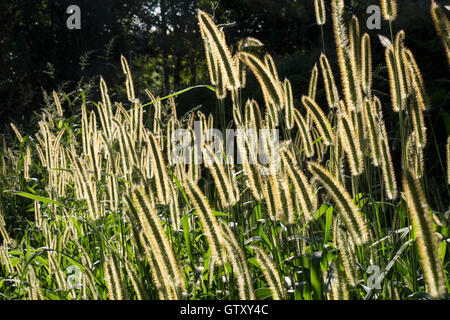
(306, 218)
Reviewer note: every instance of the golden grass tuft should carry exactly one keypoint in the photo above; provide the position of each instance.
(321, 15)
(389, 9)
(425, 235)
(442, 25)
(347, 209)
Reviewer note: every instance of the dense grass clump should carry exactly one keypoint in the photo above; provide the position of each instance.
(98, 206)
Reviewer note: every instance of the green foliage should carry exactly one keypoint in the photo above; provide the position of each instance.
(79, 205)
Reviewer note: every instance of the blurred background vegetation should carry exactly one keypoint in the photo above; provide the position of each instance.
(160, 39)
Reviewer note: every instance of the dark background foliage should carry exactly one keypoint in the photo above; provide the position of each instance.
(160, 38)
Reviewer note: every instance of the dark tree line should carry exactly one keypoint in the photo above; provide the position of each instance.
(160, 39)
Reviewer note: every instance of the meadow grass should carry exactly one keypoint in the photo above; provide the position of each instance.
(93, 205)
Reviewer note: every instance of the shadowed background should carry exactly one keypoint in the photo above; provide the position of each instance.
(161, 40)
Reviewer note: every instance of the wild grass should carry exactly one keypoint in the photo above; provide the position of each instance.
(97, 198)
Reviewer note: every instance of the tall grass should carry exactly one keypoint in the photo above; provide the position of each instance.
(101, 193)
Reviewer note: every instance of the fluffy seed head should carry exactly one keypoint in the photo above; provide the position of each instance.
(442, 25)
(328, 80)
(319, 118)
(347, 209)
(221, 52)
(319, 8)
(270, 273)
(425, 235)
(389, 9)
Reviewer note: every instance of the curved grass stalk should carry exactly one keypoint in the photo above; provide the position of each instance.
(355, 41)
(389, 9)
(289, 109)
(220, 50)
(158, 275)
(127, 151)
(270, 64)
(253, 118)
(302, 188)
(284, 205)
(332, 93)
(366, 65)
(270, 86)
(347, 209)
(339, 289)
(174, 208)
(17, 132)
(105, 110)
(87, 186)
(113, 279)
(222, 183)
(337, 167)
(59, 109)
(129, 81)
(170, 129)
(34, 291)
(211, 62)
(237, 116)
(274, 193)
(351, 144)
(195, 152)
(312, 88)
(209, 222)
(319, 8)
(305, 134)
(241, 70)
(442, 25)
(88, 277)
(164, 256)
(416, 79)
(394, 80)
(238, 260)
(373, 130)
(448, 160)
(135, 281)
(251, 169)
(414, 156)
(221, 85)
(270, 273)
(271, 116)
(161, 176)
(319, 118)
(387, 167)
(425, 235)
(156, 128)
(27, 163)
(347, 62)
(420, 130)
(348, 255)
(269, 199)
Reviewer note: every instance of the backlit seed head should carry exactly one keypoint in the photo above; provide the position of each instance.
(427, 242)
(321, 14)
(347, 209)
(442, 25)
(389, 9)
(221, 52)
(319, 118)
(328, 79)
